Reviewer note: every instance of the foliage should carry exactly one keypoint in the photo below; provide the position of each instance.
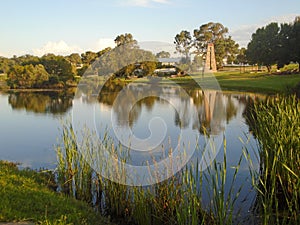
(276, 125)
(177, 200)
(58, 66)
(274, 44)
(183, 42)
(225, 48)
(163, 54)
(126, 39)
(263, 46)
(27, 76)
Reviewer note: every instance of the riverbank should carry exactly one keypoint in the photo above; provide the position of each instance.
(26, 197)
(258, 82)
(246, 82)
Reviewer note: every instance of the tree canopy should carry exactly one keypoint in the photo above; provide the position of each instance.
(183, 42)
(225, 47)
(275, 44)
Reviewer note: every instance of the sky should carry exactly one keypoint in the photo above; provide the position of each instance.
(62, 27)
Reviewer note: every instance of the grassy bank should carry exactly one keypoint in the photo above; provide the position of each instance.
(177, 200)
(259, 82)
(24, 196)
(250, 82)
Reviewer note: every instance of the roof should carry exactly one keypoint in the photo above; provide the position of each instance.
(169, 60)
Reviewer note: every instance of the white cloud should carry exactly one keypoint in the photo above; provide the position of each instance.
(58, 48)
(242, 34)
(143, 3)
(103, 43)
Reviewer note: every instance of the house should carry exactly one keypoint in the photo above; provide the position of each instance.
(169, 61)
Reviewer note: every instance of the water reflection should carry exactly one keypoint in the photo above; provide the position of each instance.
(42, 102)
(206, 110)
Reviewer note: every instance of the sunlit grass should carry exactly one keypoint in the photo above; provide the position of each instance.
(276, 125)
(24, 196)
(177, 200)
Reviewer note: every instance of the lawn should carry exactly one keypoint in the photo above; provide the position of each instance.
(26, 197)
(258, 82)
(254, 82)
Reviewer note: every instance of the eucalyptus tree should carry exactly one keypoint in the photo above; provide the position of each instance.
(183, 42)
(225, 47)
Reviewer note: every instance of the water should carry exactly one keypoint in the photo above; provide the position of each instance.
(30, 123)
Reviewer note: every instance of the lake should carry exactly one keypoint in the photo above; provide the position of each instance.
(31, 122)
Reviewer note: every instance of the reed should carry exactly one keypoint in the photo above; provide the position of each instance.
(177, 200)
(277, 128)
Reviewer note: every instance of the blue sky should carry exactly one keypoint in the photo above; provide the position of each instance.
(64, 26)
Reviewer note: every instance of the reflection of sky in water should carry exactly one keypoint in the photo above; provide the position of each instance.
(29, 138)
(26, 137)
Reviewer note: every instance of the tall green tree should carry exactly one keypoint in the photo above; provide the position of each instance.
(225, 47)
(264, 45)
(183, 42)
(208, 33)
(58, 67)
(295, 40)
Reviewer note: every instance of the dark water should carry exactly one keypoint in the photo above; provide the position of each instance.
(30, 124)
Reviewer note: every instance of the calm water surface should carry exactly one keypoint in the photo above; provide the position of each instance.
(31, 121)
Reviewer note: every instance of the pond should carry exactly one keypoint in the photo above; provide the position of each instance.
(31, 122)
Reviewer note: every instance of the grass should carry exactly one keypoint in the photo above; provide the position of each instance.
(257, 82)
(260, 82)
(276, 125)
(177, 200)
(26, 197)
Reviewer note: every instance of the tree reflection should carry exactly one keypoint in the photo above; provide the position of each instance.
(42, 102)
(206, 111)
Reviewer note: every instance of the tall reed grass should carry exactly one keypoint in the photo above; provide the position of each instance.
(178, 200)
(276, 124)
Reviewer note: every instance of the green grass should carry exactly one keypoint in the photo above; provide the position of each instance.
(260, 82)
(257, 82)
(25, 197)
(177, 200)
(276, 125)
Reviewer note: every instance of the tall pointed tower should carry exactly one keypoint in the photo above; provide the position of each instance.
(210, 63)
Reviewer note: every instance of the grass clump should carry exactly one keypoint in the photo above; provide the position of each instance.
(177, 200)
(26, 197)
(276, 125)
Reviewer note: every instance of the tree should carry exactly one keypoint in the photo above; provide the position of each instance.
(58, 67)
(148, 67)
(28, 76)
(263, 47)
(183, 42)
(225, 49)
(208, 33)
(89, 57)
(295, 40)
(215, 33)
(6, 64)
(74, 59)
(126, 39)
(163, 54)
(103, 51)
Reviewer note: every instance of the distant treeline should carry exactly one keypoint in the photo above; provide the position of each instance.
(270, 45)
